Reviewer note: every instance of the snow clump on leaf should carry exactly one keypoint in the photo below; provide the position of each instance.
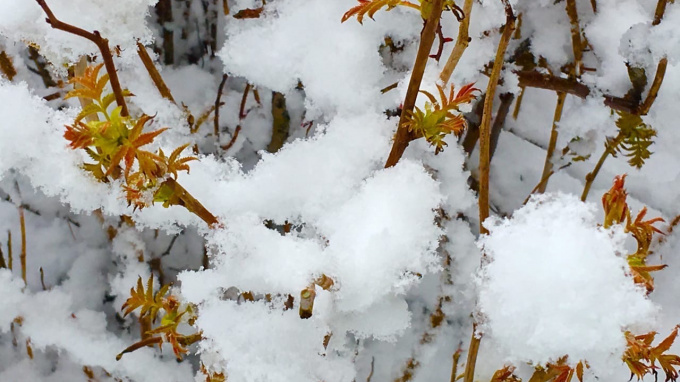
(556, 285)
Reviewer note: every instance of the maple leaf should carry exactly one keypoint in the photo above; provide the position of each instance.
(173, 164)
(370, 7)
(643, 230)
(506, 374)
(614, 202)
(641, 357)
(438, 119)
(91, 85)
(128, 150)
(80, 135)
(149, 302)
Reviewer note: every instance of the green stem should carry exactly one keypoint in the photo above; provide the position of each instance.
(609, 149)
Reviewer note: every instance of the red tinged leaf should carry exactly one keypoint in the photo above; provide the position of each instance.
(370, 7)
(79, 135)
(614, 202)
(249, 13)
(147, 138)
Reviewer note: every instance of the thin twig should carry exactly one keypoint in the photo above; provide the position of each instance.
(454, 366)
(153, 73)
(42, 278)
(473, 350)
(577, 45)
(462, 42)
(654, 89)
(548, 165)
(9, 250)
(518, 104)
(233, 139)
(485, 125)
(404, 136)
(280, 122)
(499, 121)
(3, 264)
(609, 149)
(41, 67)
(6, 66)
(535, 79)
(216, 126)
(22, 256)
(484, 163)
(102, 44)
(242, 114)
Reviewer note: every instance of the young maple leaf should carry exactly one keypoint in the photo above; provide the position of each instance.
(173, 164)
(129, 149)
(438, 119)
(91, 85)
(506, 374)
(641, 357)
(149, 302)
(80, 135)
(614, 202)
(370, 7)
(643, 230)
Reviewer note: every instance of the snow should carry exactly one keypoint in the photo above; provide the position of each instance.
(556, 284)
(398, 243)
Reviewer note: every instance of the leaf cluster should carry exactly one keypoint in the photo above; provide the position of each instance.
(441, 117)
(114, 142)
(616, 211)
(641, 358)
(370, 7)
(174, 313)
(636, 137)
(558, 371)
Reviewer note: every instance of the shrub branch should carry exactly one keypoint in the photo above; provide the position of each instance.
(404, 136)
(102, 44)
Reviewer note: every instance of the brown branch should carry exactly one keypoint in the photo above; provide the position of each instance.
(499, 121)
(610, 148)
(535, 79)
(404, 136)
(654, 89)
(186, 200)
(9, 250)
(233, 139)
(484, 127)
(242, 114)
(22, 255)
(6, 66)
(577, 45)
(102, 44)
(473, 120)
(153, 73)
(548, 165)
(518, 104)
(216, 126)
(462, 42)
(164, 13)
(469, 374)
(40, 67)
(280, 123)
(659, 11)
(454, 365)
(484, 163)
